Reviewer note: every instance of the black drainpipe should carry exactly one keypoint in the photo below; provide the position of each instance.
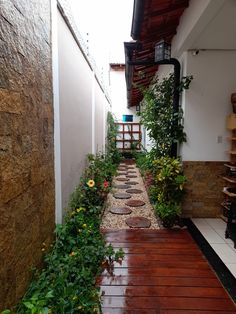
(138, 13)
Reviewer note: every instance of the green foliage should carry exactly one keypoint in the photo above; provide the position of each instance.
(66, 284)
(143, 162)
(164, 126)
(167, 210)
(167, 190)
(100, 170)
(112, 130)
(169, 180)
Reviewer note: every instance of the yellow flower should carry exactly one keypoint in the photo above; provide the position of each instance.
(72, 254)
(43, 249)
(84, 226)
(90, 183)
(80, 307)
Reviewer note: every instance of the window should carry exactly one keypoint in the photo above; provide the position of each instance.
(127, 118)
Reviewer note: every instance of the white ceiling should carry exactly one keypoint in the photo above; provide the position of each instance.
(220, 33)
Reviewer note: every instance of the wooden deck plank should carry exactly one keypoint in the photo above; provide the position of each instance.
(159, 261)
(164, 291)
(160, 311)
(163, 272)
(179, 303)
(158, 281)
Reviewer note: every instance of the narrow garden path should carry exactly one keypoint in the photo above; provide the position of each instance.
(128, 205)
(163, 271)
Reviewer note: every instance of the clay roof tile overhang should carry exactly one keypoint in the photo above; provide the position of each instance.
(153, 20)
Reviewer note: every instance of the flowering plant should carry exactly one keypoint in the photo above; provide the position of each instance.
(67, 282)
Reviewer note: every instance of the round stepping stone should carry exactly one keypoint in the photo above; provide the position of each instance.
(138, 222)
(135, 203)
(131, 176)
(134, 191)
(130, 168)
(121, 210)
(131, 171)
(122, 196)
(130, 182)
(122, 164)
(122, 168)
(122, 173)
(122, 179)
(121, 186)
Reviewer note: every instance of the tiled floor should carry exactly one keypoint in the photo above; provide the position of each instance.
(214, 232)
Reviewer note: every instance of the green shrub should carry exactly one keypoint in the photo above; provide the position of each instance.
(112, 131)
(167, 210)
(169, 180)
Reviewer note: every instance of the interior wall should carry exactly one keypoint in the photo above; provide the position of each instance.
(75, 93)
(207, 104)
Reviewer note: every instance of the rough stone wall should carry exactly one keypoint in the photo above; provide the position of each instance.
(26, 142)
(203, 189)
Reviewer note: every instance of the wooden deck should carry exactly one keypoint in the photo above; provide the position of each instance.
(163, 272)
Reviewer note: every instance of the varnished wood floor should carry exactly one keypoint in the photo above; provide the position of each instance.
(163, 272)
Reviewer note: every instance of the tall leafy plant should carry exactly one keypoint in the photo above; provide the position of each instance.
(163, 124)
(112, 131)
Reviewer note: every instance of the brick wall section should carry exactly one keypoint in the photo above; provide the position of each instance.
(203, 189)
(26, 142)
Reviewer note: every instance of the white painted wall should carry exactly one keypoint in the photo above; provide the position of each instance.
(207, 103)
(195, 22)
(119, 96)
(100, 119)
(82, 110)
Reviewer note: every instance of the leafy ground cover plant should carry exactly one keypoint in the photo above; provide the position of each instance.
(66, 284)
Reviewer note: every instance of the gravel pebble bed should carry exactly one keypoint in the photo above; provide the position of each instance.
(113, 221)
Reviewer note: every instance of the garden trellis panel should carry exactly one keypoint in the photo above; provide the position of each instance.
(129, 136)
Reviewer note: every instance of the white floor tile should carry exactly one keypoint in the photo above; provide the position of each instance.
(231, 244)
(216, 223)
(211, 236)
(213, 230)
(232, 268)
(200, 222)
(225, 252)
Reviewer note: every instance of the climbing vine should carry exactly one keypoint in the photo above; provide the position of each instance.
(163, 124)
